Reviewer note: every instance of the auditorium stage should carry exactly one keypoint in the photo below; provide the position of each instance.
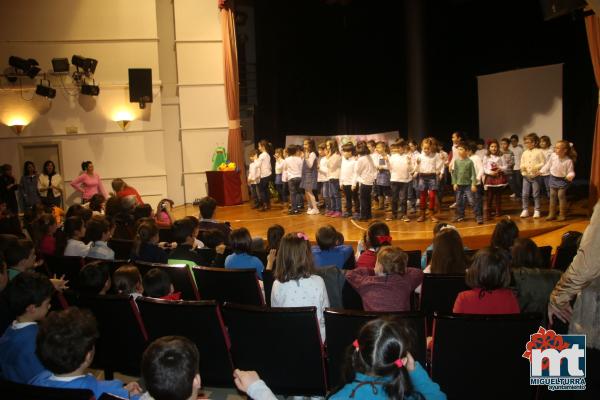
(408, 235)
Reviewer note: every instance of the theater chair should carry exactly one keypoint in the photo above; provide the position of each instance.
(180, 274)
(481, 355)
(268, 280)
(166, 235)
(414, 258)
(61, 265)
(113, 265)
(292, 362)
(229, 285)
(123, 337)
(438, 294)
(121, 247)
(199, 321)
(11, 390)
(564, 257)
(342, 327)
(546, 253)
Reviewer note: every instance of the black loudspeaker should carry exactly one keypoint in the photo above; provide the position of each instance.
(556, 8)
(140, 86)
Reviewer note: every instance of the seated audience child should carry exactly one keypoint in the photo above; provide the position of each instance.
(94, 278)
(241, 243)
(142, 211)
(29, 299)
(505, 233)
(164, 213)
(208, 207)
(448, 255)
(3, 273)
(146, 247)
(183, 233)
(436, 228)
(328, 252)
(377, 235)
(389, 285)
(214, 252)
(96, 204)
(20, 257)
(65, 345)
(75, 231)
(274, 235)
(380, 366)
(196, 225)
(531, 282)
(128, 280)
(157, 284)
(296, 284)
(489, 278)
(44, 228)
(98, 231)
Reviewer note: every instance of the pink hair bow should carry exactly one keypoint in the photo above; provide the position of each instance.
(302, 235)
(399, 363)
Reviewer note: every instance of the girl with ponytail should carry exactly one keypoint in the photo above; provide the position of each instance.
(379, 365)
(145, 247)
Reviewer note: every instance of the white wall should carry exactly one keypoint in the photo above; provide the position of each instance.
(203, 111)
(121, 34)
(521, 101)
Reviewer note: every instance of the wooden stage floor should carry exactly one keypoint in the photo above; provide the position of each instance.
(408, 235)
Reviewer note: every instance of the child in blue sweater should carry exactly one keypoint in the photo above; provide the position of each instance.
(65, 345)
(241, 244)
(380, 366)
(29, 299)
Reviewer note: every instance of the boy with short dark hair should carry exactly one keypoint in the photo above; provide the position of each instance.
(183, 233)
(28, 297)
(329, 252)
(157, 284)
(464, 181)
(20, 257)
(65, 345)
(94, 278)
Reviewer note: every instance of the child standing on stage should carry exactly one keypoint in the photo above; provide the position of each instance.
(322, 181)
(309, 175)
(265, 174)
(279, 185)
(382, 181)
(293, 170)
(442, 183)
(509, 161)
(334, 163)
(348, 178)
(366, 172)
(546, 147)
(560, 166)
(517, 151)
(464, 181)
(413, 193)
(478, 198)
(401, 170)
(495, 180)
(254, 177)
(532, 161)
(429, 171)
(481, 150)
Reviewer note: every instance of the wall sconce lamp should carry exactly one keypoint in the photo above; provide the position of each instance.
(18, 128)
(123, 118)
(123, 123)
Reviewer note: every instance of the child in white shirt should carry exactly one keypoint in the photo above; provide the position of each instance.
(322, 181)
(401, 169)
(561, 168)
(254, 177)
(429, 169)
(478, 195)
(334, 163)
(348, 179)
(279, 184)
(495, 179)
(293, 170)
(382, 181)
(532, 161)
(517, 151)
(548, 150)
(366, 172)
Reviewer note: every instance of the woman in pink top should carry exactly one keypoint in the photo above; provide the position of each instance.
(88, 183)
(489, 276)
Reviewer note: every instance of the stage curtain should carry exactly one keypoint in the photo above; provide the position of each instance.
(235, 147)
(592, 27)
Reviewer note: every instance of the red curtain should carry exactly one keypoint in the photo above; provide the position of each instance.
(592, 27)
(235, 147)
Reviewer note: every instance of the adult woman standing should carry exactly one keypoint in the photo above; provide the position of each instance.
(88, 183)
(28, 189)
(8, 188)
(50, 185)
(122, 189)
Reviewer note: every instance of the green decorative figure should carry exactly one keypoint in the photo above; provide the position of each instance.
(219, 157)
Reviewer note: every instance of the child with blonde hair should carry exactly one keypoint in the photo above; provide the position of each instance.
(561, 170)
(532, 161)
(429, 169)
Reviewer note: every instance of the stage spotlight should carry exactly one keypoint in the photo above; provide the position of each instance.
(45, 91)
(29, 66)
(90, 90)
(88, 65)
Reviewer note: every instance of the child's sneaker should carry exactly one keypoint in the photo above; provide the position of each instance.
(525, 213)
(346, 215)
(453, 205)
(458, 219)
(336, 214)
(328, 213)
(536, 214)
(405, 218)
(479, 220)
(391, 217)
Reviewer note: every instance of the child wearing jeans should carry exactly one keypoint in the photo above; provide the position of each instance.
(334, 164)
(401, 170)
(264, 147)
(254, 177)
(478, 197)
(546, 147)
(293, 169)
(279, 184)
(348, 179)
(382, 181)
(322, 181)
(429, 170)
(495, 180)
(560, 168)
(509, 161)
(464, 181)
(413, 189)
(517, 151)
(532, 161)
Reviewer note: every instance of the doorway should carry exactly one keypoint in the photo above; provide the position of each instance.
(39, 153)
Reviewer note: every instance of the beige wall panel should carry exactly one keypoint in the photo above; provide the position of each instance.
(199, 146)
(203, 107)
(200, 62)
(197, 20)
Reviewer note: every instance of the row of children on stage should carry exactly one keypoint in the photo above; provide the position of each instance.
(403, 176)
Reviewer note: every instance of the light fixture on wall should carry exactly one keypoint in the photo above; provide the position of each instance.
(45, 90)
(17, 128)
(90, 90)
(29, 66)
(123, 118)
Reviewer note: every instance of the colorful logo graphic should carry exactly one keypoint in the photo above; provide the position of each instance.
(556, 361)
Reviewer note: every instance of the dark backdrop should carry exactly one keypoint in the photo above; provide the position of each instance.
(339, 67)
